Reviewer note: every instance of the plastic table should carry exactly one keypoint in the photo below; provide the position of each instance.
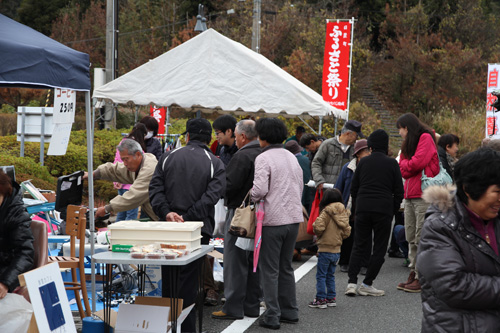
(118, 258)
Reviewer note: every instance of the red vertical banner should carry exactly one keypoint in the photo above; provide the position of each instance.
(160, 115)
(336, 64)
(492, 114)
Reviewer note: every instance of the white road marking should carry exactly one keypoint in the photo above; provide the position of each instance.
(242, 325)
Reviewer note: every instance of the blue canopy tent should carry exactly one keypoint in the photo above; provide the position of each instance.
(29, 59)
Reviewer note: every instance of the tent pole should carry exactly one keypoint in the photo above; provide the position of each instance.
(90, 168)
(336, 123)
(320, 125)
(312, 129)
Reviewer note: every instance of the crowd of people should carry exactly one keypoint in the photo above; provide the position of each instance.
(451, 234)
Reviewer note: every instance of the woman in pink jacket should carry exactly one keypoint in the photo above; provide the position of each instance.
(418, 152)
(278, 182)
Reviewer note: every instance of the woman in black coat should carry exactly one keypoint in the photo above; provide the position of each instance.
(16, 239)
(458, 255)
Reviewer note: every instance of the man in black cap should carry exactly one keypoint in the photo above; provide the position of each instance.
(334, 153)
(186, 185)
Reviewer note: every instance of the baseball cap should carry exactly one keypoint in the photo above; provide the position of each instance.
(198, 126)
(354, 126)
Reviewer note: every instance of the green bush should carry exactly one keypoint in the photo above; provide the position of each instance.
(27, 168)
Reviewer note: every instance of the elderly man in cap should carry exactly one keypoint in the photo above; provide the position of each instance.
(186, 185)
(334, 153)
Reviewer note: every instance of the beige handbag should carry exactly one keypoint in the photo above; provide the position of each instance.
(243, 222)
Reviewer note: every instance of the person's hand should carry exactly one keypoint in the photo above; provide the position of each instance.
(3, 290)
(100, 212)
(117, 186)
(174, 217)
(85, 175)
(319, 187)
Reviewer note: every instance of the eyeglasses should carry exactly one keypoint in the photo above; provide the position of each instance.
(218, 132)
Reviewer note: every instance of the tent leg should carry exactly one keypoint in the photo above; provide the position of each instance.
(312, 129)
(336, 124)
(90, 168)
(320, 125)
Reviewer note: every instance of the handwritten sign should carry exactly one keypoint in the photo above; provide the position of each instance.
(64, 106)
(60, 139)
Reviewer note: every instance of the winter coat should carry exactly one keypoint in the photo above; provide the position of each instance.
(332, 227)
(16, 239)
(278, 181)
(376, 185)
(153, 146)
(138, 194)
(411, 169)
(343, 183)
(188, 181)
(459, 271)
(226, 153)
(239, 174)
(328, 161)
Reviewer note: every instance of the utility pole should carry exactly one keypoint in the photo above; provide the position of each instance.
(256, 25)
(111, 56)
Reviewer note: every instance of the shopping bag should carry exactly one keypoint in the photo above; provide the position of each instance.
(303, 236)
(15, 314)
(243, 222)
(220, 219)
(314, 211)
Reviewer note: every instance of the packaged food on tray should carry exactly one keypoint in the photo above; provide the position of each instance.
(154, 255)
(170, 255)
(173, 246)
(138, 255)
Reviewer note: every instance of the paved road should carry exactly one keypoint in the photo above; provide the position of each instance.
(397, 311)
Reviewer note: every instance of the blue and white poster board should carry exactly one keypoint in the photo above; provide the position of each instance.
(49, 300)
(63, 118)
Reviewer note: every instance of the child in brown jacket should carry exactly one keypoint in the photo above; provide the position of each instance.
(331, 227)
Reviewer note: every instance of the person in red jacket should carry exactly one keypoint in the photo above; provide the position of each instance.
(418, 152)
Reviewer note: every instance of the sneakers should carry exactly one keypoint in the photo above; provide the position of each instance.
(318, 303)
(222, 315)
(344, 268)
(351, 289)
(296, 255)
(411, 278)
(365, 290)
(331, 302)
(413, 287)
(212, 297)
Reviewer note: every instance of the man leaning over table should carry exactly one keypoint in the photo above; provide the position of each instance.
(136, 169)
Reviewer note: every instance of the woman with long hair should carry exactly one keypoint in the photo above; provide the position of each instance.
(418, 153)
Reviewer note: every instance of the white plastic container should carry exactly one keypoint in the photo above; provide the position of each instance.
(142, 233)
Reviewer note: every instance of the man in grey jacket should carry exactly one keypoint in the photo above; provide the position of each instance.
(334, 153)
(241, 285)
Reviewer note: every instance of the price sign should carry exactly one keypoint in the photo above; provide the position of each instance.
(64, 106)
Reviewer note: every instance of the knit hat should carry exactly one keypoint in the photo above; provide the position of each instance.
(379, 140)
(360, 145)
(293, 147)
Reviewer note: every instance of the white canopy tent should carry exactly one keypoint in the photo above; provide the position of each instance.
(211, 72)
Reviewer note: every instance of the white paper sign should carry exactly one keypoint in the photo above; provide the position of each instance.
(64, 106)
(60, 139)
(49, 300)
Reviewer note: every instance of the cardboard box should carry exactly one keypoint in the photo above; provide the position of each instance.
(147, 315)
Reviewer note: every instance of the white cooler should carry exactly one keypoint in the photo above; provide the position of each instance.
(143, 233)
